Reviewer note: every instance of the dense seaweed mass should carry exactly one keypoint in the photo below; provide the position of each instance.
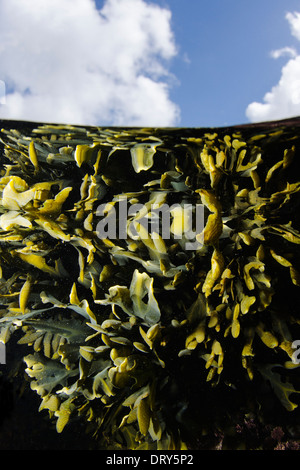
(152, 345)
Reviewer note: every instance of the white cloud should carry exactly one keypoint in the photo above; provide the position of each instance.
(283, 101)
(294, 20)
(65, 61)
(284, 51)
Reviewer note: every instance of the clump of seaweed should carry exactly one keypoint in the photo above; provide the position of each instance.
(148, 342)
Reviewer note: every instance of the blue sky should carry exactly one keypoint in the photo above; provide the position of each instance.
(227, 44)
(188, 63)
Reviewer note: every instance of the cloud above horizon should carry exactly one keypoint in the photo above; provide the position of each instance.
(283, 101)
(65, 61)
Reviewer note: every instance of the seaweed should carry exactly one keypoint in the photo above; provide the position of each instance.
(153, 337)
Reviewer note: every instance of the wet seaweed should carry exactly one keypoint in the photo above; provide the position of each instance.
(149, 343)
